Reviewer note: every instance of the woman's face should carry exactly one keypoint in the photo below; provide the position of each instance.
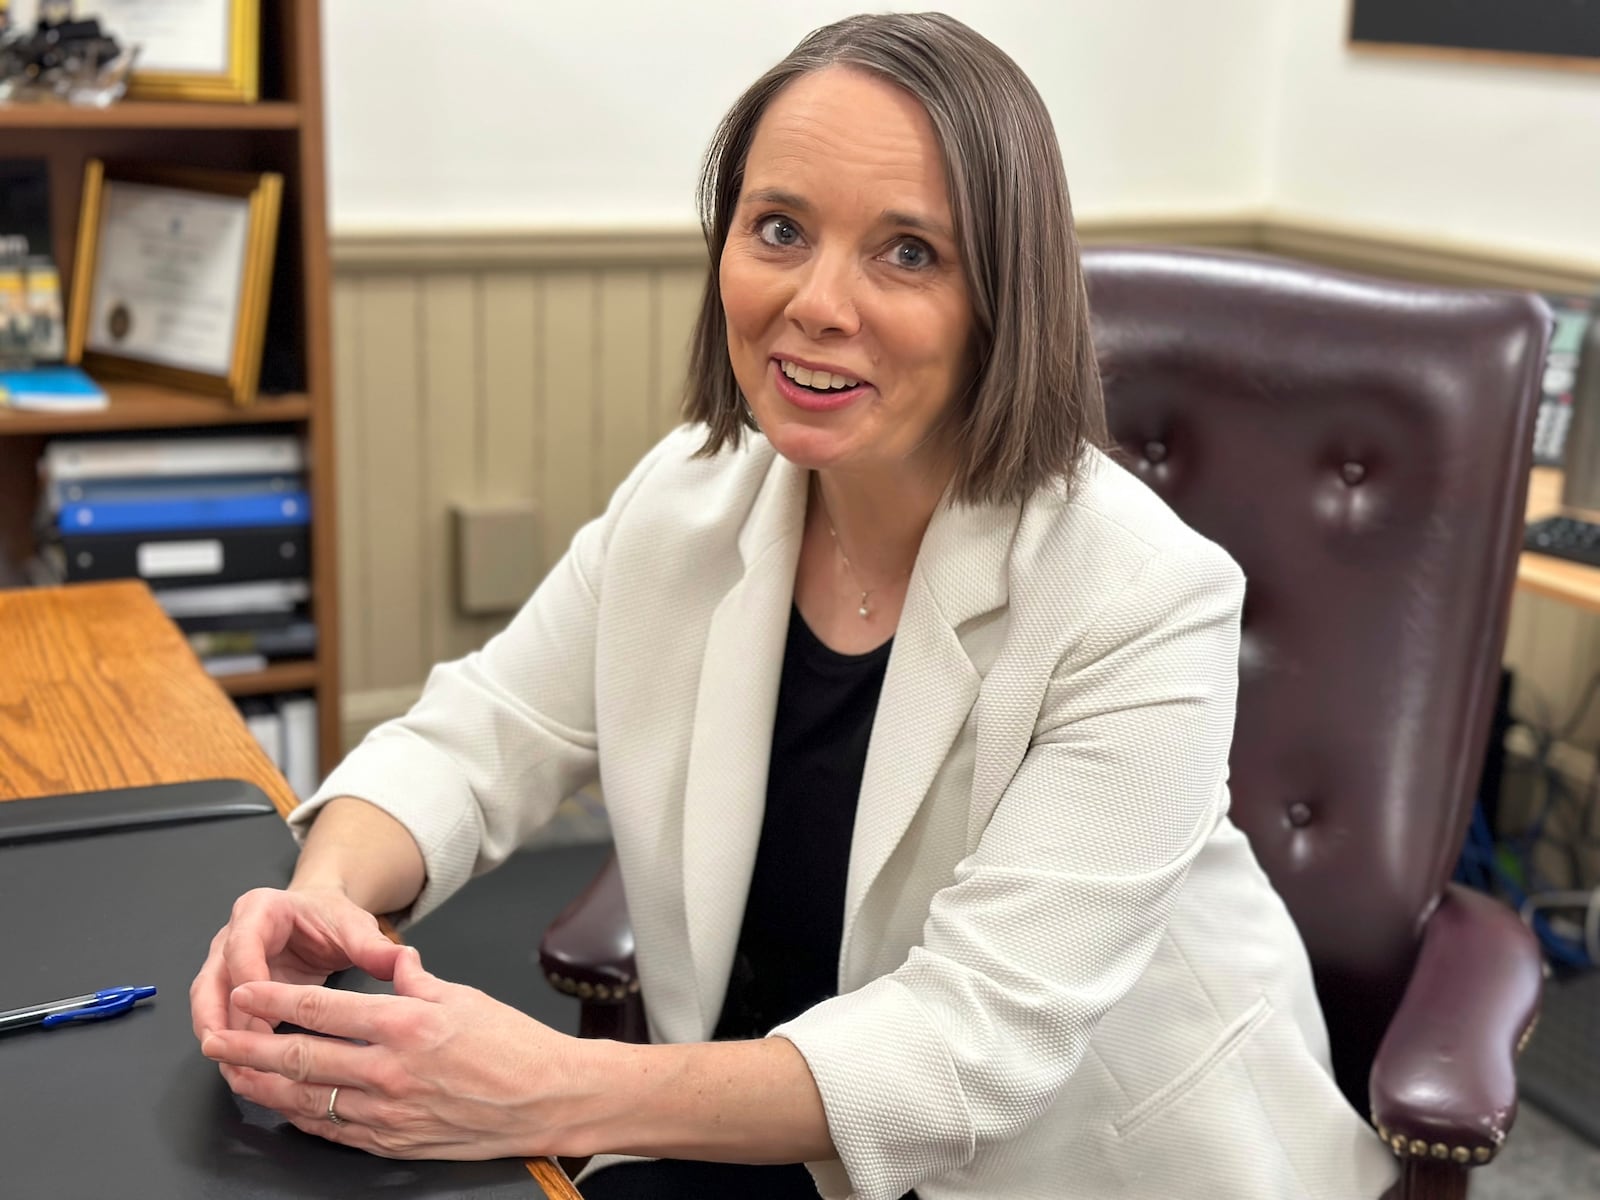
(848, 314)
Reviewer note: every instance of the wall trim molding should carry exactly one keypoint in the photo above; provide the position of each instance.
(1418, 256)
(475, 249)
(1360, 248)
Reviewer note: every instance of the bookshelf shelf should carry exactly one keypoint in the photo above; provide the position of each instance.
(152, 406)
(295, 675)
(146, 114)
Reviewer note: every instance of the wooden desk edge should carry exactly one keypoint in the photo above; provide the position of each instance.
(552, 1179)
(1556, 578)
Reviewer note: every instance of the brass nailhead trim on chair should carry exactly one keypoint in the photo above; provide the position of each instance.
(609, 993)
(1527, 1034)
(1417, 1148)
(1461, 1155)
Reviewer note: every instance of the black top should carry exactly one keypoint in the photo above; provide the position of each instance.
(788, 954)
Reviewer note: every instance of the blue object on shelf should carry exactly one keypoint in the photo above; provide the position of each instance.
(193, 512)
(51, 389)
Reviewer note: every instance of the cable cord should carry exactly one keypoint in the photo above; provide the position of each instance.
(1560, 821)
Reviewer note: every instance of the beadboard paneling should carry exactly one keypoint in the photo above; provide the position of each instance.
(544, 382)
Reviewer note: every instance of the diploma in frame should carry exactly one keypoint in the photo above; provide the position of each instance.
(173, 275)
(188, 49)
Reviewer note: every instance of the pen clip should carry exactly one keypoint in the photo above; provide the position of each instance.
(110, 1002)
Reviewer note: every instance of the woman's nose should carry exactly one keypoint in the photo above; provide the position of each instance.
(824, 297)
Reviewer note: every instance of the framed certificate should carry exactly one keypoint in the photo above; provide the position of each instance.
(173, 276)
(188, 49)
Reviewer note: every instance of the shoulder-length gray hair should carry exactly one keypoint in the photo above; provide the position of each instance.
(1033, 401)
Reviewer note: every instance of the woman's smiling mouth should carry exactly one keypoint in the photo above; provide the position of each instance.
(815, 389)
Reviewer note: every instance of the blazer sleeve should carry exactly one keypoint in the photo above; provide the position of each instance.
(1058, 910)
(499, 738)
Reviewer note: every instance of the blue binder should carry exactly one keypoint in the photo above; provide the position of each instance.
(185, 512)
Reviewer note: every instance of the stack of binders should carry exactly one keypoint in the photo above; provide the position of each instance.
(218, 526)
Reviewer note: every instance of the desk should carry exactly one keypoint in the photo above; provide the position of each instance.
(1570, 582)
(98, 690)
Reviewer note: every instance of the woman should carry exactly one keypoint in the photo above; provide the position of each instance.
(912, 713)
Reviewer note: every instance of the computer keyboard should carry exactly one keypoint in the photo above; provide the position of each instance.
(1565, 537)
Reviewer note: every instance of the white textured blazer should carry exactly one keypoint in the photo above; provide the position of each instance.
(1062, 972)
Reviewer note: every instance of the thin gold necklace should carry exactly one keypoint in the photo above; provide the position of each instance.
(863, 611)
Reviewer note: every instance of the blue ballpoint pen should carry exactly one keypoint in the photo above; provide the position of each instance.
(96, 1006)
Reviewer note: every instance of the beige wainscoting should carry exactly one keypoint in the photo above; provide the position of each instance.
(491, 367)
(485, 370)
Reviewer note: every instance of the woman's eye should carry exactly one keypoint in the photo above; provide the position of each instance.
(778, 231)
(912, 254)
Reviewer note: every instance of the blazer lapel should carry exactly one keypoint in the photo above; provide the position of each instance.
(930, 685)
(726, 786)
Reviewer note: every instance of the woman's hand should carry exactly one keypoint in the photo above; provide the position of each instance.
(299, 937)
(447, 1072)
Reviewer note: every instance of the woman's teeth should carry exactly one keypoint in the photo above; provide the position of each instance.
(822, 381)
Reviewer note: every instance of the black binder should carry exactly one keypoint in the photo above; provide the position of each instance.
(128, 887)
(178, 559)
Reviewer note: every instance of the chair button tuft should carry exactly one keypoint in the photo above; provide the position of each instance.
(1353, 473)
(1299, 814)
(1155, 453)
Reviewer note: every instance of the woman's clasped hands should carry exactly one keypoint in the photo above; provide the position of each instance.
(445, 1071)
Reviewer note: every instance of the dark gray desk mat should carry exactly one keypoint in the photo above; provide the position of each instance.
(128, 1106)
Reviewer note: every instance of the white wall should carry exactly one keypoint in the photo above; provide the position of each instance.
(514, 114)
(527, 113)
(1478, 153)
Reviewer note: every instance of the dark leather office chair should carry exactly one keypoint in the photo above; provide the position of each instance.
(1361, 448)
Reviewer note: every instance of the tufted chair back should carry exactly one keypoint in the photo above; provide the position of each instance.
(1361, 448)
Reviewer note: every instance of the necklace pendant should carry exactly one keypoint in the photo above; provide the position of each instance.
(862, 611)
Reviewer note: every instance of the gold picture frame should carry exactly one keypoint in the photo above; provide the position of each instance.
(235, 78)
(172, 277)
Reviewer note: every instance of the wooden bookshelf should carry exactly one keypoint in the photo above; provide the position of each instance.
(283, 133)
(292, 676)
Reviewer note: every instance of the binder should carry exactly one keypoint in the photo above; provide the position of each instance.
(262, 596)
(181, 487)
(265, 725)
(247, 622)
(199, 557)
(298, 640)
(127, 458)
(222, 665)
(299, 715)
(186, 513)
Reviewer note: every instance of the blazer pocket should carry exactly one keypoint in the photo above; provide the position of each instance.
(1219, 1053)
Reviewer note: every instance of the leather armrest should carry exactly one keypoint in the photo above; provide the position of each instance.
(588, 950)
(1444, 1083)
